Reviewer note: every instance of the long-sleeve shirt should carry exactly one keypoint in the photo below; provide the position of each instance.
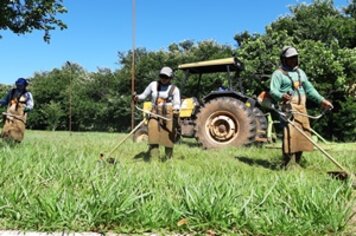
(16, 93)
(152, 90)
(281, 84)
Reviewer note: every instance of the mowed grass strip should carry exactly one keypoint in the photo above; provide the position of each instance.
(55, 181)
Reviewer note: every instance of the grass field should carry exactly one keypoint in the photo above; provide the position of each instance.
(54, 181)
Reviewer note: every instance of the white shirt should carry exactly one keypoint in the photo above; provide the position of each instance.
(151, 90)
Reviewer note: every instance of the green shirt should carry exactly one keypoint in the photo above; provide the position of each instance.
(281, 84)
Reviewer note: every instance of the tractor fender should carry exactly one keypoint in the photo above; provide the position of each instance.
(249, 102)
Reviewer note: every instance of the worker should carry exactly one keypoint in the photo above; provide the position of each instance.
(165, 98)
(19, 102)
(291, 87)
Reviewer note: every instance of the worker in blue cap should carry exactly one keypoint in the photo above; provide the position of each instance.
(19, 102)
(19, 94)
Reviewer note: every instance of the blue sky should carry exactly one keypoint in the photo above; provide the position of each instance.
(99, 29)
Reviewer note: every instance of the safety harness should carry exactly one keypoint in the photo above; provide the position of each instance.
(163, 101)
(296, 85)
(169, 98)
(15, 98)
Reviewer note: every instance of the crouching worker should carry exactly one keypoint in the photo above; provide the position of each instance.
(19, 101)
(291, 87)
(165, 98)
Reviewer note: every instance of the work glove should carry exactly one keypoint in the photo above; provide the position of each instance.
(325, 104)
(286, 97)
(175, 113)
(134, 98)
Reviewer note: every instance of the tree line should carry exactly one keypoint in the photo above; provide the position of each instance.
(100, 101)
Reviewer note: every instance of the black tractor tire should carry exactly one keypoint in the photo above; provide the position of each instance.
(141, 135)
(224, 122)
(261, 125)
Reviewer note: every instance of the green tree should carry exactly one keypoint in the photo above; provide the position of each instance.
(23, 17)
(320, 21)
(55, 86)
(351, 9)
(326, 43)
(53, 114)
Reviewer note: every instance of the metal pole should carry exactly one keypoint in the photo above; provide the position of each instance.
(133, 62)
(70, 97)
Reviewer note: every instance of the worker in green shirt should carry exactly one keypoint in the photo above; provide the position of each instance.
(291, 87)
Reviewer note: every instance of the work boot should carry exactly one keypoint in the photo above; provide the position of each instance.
(298, 157)
(153, 151)
(168, 153)
(301, 161)
(289, 161)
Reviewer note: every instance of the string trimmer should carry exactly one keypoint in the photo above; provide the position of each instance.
(152, 114)
(112, 160)
(345, 173)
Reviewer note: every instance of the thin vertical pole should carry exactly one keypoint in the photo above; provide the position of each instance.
(70, 97)
(133, 62)
(70, 102)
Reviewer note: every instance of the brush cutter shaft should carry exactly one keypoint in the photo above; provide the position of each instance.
(124, 139)
(284, 117)
(11, 116)
(320, 149)
(153, 114)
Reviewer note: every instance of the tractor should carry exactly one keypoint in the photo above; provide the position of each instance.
(223, 117)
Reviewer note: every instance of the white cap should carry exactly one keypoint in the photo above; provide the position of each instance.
(289, 51)
(166, 71)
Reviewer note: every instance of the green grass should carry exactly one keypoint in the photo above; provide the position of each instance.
(54, 181)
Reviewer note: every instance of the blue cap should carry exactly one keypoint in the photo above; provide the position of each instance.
(21, 81)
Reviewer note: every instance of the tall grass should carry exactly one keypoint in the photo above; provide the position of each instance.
(54, 181)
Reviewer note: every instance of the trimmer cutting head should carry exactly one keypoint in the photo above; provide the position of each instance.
(343, 176)
(110, 160)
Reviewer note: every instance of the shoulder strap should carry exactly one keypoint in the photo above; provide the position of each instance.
(12, 94)
(157, 90)
(291, 80)
(171, 90)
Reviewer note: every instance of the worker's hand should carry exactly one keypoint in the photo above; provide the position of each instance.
(286, 97)
(27, 109)
(135, 98)
(325, 104)
(176, 113)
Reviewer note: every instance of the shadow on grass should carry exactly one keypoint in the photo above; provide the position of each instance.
(272, 165)
(190, 142)
(142, 155)
(8, 143)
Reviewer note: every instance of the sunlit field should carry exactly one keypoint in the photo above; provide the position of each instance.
(55, 181)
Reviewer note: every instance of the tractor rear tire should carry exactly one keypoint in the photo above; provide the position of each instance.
(261, 125)
(141, 135)
(224, 122)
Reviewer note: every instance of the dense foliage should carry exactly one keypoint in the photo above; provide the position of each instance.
(324, 36)
(23, 17)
